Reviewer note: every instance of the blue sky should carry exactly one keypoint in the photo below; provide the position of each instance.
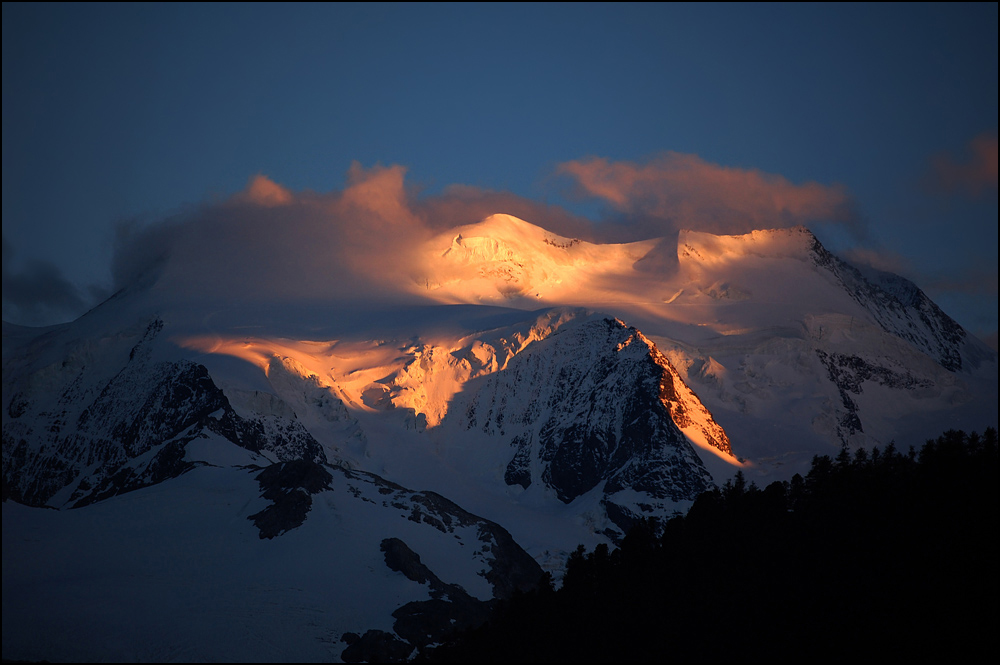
(116, 115)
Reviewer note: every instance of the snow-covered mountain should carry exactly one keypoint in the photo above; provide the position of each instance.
(823, 354)
(533, 392)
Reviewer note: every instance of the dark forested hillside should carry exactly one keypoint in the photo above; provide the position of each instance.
(879, 555)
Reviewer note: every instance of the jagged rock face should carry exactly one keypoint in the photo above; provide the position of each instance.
(342, 554)
(557, 423)
(850, 373)
(588, 406)
(428, 621)
(509, 568)
(813, 353)
(686, 410)
(502, 563)
(289, 487)
(901, 309)
(72, 436)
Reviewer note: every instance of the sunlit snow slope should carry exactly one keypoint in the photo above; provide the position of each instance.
(793, 351)
(518, 390)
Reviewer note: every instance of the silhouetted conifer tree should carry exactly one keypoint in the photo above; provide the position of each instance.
(872, 556)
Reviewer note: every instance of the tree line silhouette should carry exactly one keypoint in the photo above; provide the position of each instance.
(873, 556)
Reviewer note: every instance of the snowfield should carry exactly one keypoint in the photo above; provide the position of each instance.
(189, 479)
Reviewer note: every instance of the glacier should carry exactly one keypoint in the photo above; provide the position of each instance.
(245, 479)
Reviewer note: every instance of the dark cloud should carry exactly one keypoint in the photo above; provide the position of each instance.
(38, 294)
(976, 279)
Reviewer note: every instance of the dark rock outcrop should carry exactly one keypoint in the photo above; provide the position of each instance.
(289, 486)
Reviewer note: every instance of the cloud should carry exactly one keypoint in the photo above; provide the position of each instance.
(975, 279)
(38, 293)
(463, 204)
(362, 243)
(265, 192)
(268, 243)
(676, 191)
(974, 176)
(877, 259)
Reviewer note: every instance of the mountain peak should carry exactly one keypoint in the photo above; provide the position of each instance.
(504, 258)
(795, 242)
(504, 224)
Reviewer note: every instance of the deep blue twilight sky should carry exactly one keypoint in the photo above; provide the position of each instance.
(876, 125)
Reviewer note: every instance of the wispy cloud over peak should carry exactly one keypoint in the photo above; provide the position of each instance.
(685, 191)
(878, 259)
(268, 243)
(37, 293)
(379, 191)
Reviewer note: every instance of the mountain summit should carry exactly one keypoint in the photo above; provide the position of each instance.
(349, 478)
(503, 258)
